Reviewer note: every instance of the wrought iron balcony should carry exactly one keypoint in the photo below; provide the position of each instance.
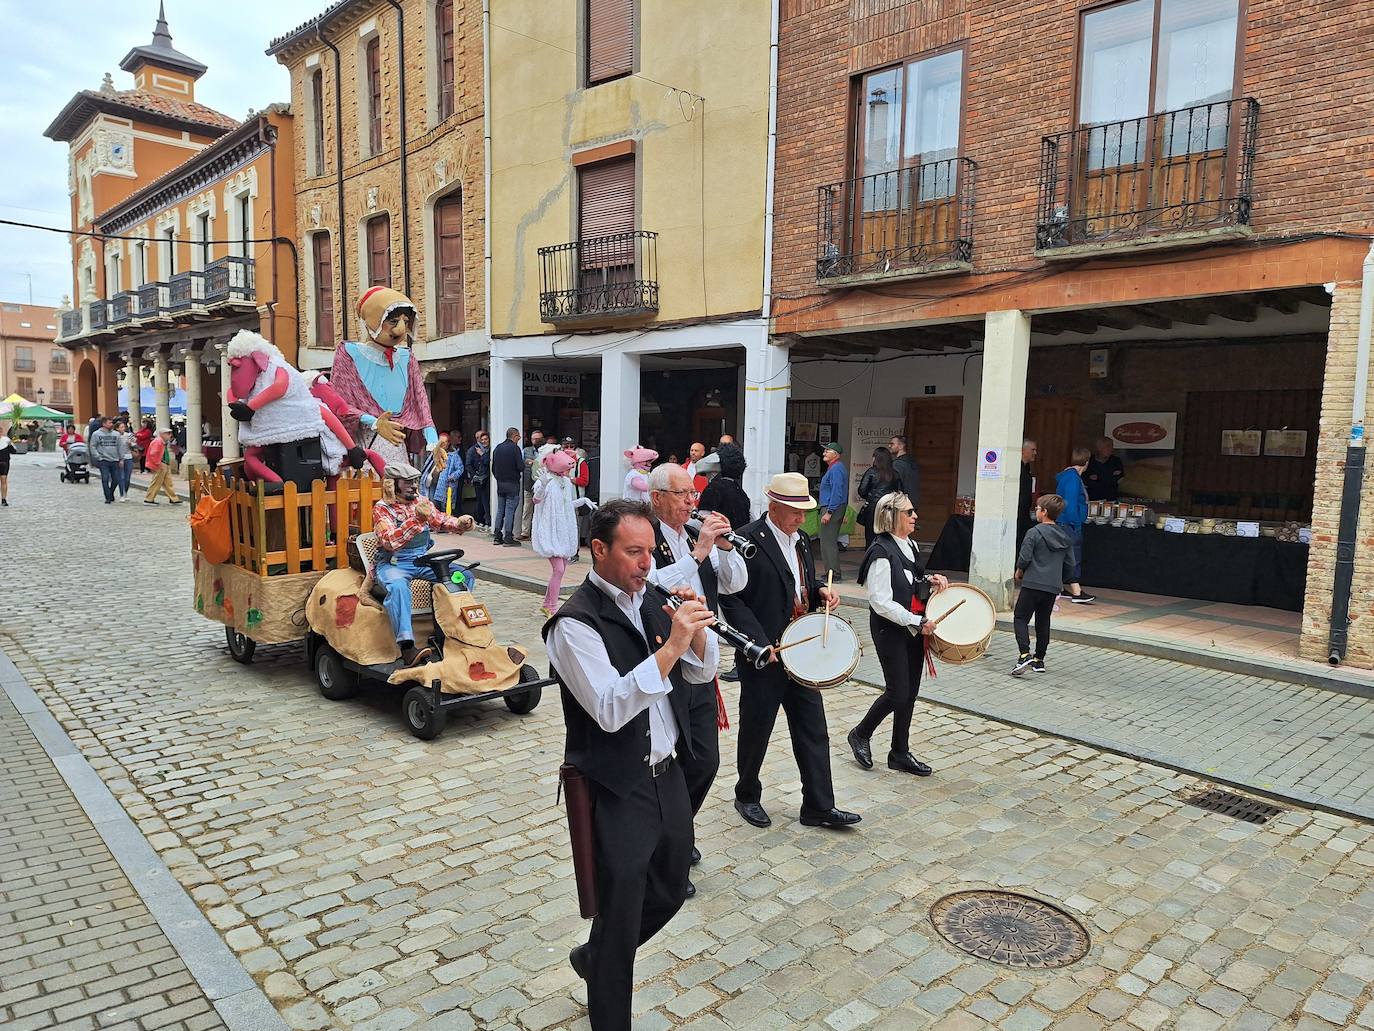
(23, 365)
(153, 301)
(98, 315)
(61, 398)
(71, 323)
(59, 366)
(1187, 172)
(906, 222)
(605, 277)
(229, 279)
(123, 307)
(186, 292)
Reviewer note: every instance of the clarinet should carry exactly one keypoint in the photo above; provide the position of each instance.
(743, 545)
(756, 653)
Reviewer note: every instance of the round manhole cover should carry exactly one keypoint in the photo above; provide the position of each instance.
(1004, 927)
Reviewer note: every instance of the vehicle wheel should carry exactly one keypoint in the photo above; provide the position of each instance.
(422, 721)
(524, 701)
(336, 680)
(241, 646)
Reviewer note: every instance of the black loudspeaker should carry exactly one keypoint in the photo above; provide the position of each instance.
(298, 461)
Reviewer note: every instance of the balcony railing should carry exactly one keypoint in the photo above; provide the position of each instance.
(71, 323)
(98, 315)
(153, 301)
(904, 222)
(123, 307)
(1178, 172)
(186, 292)
(59, 368)
(23, 365)
(60, 398)
(612, 276)
(229, 279)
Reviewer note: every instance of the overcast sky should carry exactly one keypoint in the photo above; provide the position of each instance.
(52, 49)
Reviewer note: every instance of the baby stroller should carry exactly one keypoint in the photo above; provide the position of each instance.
(78, 464)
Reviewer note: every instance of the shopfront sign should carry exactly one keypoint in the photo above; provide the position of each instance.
(1142, 431)
(540, 382)
(868, 432)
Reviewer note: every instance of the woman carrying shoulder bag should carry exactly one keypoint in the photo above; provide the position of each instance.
(878, 480)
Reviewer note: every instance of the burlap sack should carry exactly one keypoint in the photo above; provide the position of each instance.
(354, 627)
(473, 662)
(269, 609)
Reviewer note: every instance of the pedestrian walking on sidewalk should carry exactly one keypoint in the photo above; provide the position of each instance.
(1074, 494)
(159, 459)
(1044, 568)
(834, 500)
(507, 465)
(127, 444)
(105, 454)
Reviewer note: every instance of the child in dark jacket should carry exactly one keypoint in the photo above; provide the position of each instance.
(1043, 567)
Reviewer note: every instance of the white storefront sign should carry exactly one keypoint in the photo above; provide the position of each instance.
(1142, 431)
(541, 382)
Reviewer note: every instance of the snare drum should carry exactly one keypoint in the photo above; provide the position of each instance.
(964, 636)
(825, 661)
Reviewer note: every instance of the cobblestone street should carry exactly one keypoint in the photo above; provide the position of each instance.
(367, 880)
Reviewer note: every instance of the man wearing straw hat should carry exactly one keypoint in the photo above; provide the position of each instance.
(782, 586)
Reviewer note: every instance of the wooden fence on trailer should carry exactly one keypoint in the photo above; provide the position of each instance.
(293, 531)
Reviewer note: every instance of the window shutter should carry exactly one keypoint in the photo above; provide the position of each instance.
(317, 110)
(607, 198)
(448, 234)
(379, 251)
(444, 14)
(374, 88)
(610, 39)
(324, 289)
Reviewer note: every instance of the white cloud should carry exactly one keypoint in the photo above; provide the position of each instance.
(52, 50)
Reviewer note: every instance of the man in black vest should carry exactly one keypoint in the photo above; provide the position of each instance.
(618, 660)
(782, 585)
(707, 563)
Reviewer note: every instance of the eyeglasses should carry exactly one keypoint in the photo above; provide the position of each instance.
(906, 511)
(680, 492)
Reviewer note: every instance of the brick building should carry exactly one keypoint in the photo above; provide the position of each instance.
(29, 362)
(1021, 218)
(182, 217)
(389, 179)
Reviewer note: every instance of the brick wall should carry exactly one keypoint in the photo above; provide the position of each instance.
(442, 158)
(1307, 66)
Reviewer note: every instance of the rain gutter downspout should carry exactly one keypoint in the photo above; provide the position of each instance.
(772, 160)
(486, 169)
(1353, 487)
(405, 179)
(339, 176)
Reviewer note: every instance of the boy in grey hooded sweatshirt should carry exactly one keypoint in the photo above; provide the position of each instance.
(1044, 566)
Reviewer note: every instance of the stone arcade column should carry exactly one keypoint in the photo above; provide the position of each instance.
(507, 407)
(1001, 425)
(195, 445)
(768, 385)
(160, 396)
(619, 418)
(133, 382)
(229, 428)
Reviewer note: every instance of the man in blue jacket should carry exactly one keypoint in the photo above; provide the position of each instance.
(1069, 486)
(834, 499)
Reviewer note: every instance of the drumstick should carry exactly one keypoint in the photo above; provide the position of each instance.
(825, 628)
(792, 644)
(940, 619)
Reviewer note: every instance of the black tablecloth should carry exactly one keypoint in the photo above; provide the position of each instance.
(954, 546)
(1208, 567)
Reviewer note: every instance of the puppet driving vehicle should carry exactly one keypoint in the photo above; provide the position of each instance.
(329, 556)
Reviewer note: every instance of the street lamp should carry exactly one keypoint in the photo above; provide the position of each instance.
(41, 394)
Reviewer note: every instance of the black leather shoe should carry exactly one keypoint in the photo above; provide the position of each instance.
(863, 754)
(907, 763)
(833, 818)
(691, 890)
(732, 676)
(753, 813)
(696, 855)
(578, 958)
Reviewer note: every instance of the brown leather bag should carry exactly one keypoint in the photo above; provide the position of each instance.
(575, 788)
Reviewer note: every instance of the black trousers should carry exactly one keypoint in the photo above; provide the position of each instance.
(1039, 604)
(902, 656)
(762, 692)
(700, 770)
(643, 851)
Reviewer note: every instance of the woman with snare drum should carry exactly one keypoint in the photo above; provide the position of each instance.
(898, 588)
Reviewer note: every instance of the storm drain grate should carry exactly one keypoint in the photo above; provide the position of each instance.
(1238, 807)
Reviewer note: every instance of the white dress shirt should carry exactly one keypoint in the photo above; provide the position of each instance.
(787, 544)
(879, 583)
(731, 576)
(579, 654)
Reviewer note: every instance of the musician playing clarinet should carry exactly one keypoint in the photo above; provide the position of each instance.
(898, 588)
(707, 562)
(620, 661)
(782, 586)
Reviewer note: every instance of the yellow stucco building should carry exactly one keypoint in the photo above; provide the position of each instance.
(629, 224)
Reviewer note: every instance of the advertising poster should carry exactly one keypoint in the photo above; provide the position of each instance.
(1145, 442)
(1243, 443)
(868, 432)
(1285, 443)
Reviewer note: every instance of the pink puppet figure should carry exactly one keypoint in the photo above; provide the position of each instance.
(637, 479)
(273, 405)
(336, 406)
(554, 528)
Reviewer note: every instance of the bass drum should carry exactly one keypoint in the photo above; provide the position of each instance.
(964, 635)
(817, 659)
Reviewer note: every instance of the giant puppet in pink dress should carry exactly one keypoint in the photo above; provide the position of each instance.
(379, 378)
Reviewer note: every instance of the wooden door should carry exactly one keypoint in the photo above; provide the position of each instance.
(1052, 422)
(324, 289)
(448, 237)
(933, 427)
